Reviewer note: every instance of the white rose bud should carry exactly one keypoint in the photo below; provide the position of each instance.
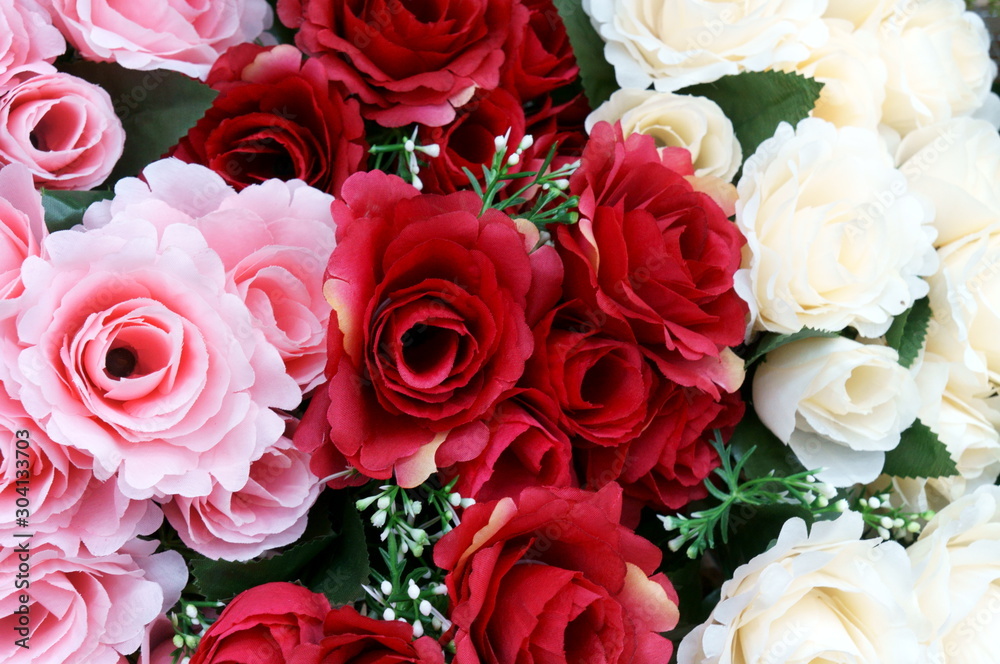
(694, 123)
(840, 405)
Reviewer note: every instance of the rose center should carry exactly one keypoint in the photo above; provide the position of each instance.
(425, 347)
(120, 362)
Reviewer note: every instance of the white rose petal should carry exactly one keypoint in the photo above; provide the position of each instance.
(937, 55)
(838, 404)
(676, 43)
(694, 123)
(823, 597)
(835, 237)
(957, 564)
(955, 164)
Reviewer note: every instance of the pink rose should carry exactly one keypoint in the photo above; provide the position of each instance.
(132, 348)
(270, 511)
(178, 35)
(67, 505)
(28, 40)
(83, 609)
(22, 225)
(274, 239)
(63, 129)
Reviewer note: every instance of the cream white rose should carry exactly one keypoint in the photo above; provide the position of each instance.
(955, 164)
(862, 14)
(672, 44)
(852, 75)
(840, 405)
(957, 565)
(835, 238)
(937, 55)
(954, 404)
(965, 300)
(828, 596)
(694, 123)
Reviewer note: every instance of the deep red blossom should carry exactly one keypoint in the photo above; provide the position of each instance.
(552, 576)
(406, 61)
(350, 637)
(431, 310)
(276, 116)
(652, 254)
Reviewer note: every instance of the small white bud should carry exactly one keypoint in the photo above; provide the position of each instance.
(386, 587)
(809, 498)
(191, 641)
(404, 548)
(191, 611)
(874, 503)
(883, 533)
(418, 629)
(416, 507)
(384, 502)
(432, 150)
(388, 614)
(884, 498)
(913, 527)
(178, 641)
(513, 160)
(526, 142)
(185, 660)
(440, 589)
(425, 608)
(409, 146)
(676, 543)
(822, 502)
(886, 522)
(413, 591)
(195, 622)
(378, 519)
(562, 183)
(898, 523)
(436, 623)
(418, 183)
(468, 502)
(841, 505)
(500, 142)
(454, 499)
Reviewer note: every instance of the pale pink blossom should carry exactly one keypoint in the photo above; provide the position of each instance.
(269, 512)
(132, 348)
(22, 226)
(179, 35)
(28, 40)
(85, 609)
(63, 128)
(274, 238)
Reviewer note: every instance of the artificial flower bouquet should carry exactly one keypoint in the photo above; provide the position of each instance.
(500, 332)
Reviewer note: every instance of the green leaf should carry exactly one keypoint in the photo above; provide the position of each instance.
(596, 74)
(920, 453)
(345, 566)
(908, 330)
(773, 340)
(156, 108)
(757, 102)
(64, 209)
(770, 453)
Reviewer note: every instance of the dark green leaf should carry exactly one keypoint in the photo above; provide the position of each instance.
(757, 102)
(771, 453)
(156, 108)
(772, 340)
(907, 332)
(64, 209)
(345, 565)
(596, 74)
(920, 453)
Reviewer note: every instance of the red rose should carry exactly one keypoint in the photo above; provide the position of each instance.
(539, 57)
(407, 62)
(665, 466)
(264, 625)
(526, 448)
(431, 308)
(468, 141)
(586, 596)
(652, 254)
(276, 117)
(351, 637)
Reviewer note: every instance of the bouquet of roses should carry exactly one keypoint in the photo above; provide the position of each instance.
(501, 332)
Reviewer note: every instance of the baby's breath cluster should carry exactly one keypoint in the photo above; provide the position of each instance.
(404, 151)
(545, 187)
(190, 622)
(410, 522)
(888, 521)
